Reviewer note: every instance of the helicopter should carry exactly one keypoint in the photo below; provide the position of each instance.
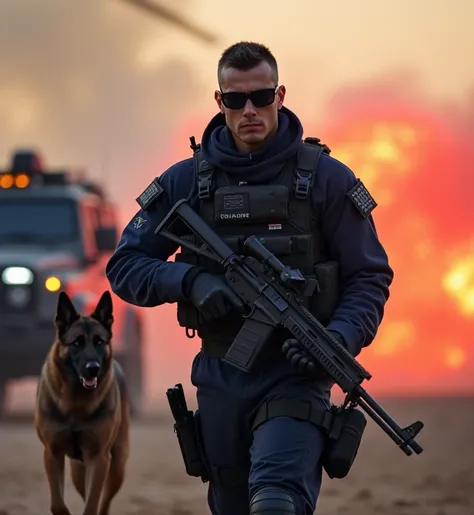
(173, 17)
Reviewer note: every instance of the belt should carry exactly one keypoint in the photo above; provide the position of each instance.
(295, 408)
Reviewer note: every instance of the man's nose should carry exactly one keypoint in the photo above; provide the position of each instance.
(92, 368)
(249, 108)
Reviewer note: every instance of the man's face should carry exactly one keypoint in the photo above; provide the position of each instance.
(250, 124)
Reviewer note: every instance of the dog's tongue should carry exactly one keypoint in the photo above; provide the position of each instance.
(89, 383)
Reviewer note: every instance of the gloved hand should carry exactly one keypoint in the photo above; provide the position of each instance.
(213, 297)
(298, 356)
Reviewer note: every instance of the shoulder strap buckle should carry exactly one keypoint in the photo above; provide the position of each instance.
(203, 170)
(303, 182)
(306, 165)
(204, 176)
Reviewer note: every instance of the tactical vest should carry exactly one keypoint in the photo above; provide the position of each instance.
(280, 215)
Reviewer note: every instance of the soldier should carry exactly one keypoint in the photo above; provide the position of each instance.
(253, 174)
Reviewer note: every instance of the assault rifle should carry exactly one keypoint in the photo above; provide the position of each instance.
(274, 294)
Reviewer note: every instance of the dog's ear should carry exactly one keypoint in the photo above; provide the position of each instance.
(66, 313)
(104, 310)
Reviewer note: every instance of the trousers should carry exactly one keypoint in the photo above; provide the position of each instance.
(283, 451)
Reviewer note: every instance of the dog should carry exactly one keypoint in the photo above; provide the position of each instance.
(82, 410)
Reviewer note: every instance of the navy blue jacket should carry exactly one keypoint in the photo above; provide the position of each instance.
(140, 274)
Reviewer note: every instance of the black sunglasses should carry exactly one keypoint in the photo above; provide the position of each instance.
(259, 98)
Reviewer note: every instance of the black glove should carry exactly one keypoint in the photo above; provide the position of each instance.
(299, 357)
(212, 296)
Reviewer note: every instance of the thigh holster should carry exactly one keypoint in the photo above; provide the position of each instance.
(187, 429)
(343, 427)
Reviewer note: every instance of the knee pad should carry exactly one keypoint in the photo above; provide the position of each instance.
(272, 500)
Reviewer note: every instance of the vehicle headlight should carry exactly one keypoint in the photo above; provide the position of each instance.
(17, 275)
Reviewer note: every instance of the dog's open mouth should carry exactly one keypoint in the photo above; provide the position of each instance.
(90, 384)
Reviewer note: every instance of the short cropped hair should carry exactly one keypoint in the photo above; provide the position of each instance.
(246, 55)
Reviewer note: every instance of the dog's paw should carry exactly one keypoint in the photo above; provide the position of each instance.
(60, 510)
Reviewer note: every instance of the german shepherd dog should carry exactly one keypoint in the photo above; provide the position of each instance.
(82, 410)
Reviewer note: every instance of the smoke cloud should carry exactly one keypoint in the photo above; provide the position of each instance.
(90, 84)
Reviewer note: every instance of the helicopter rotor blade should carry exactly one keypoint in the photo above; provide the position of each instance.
(174, 18)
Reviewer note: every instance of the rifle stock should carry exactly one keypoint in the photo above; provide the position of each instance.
(274, 296)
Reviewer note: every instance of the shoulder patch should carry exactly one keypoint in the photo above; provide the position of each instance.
(138, 222)
(362, 199)
(150, 194)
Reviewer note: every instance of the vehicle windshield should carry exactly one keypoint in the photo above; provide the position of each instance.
(34, 220)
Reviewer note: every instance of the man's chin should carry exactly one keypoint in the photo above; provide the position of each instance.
(253, 139)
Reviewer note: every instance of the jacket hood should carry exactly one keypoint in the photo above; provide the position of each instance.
(219, 150)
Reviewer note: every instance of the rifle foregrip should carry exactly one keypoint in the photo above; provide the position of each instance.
(248, 344)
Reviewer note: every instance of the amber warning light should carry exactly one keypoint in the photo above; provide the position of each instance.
(52, 283)
(9, 180)
(24, 166)
(27, 169)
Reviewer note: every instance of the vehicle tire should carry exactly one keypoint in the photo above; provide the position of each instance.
(132, 365)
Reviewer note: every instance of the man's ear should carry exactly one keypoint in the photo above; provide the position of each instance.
(66, 313)
(281, 96)
(103, 312)
(218, 99)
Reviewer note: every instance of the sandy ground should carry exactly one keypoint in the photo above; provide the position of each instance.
(383, 481)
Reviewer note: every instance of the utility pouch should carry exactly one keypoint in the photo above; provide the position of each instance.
(187, 431)
(343, 442)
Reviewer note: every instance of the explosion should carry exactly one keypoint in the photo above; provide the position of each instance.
(415, 160)
(459, 283)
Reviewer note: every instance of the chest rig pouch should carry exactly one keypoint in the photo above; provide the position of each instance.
(280, 215)
(255, 205)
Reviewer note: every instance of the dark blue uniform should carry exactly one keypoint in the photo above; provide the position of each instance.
(283, 452)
